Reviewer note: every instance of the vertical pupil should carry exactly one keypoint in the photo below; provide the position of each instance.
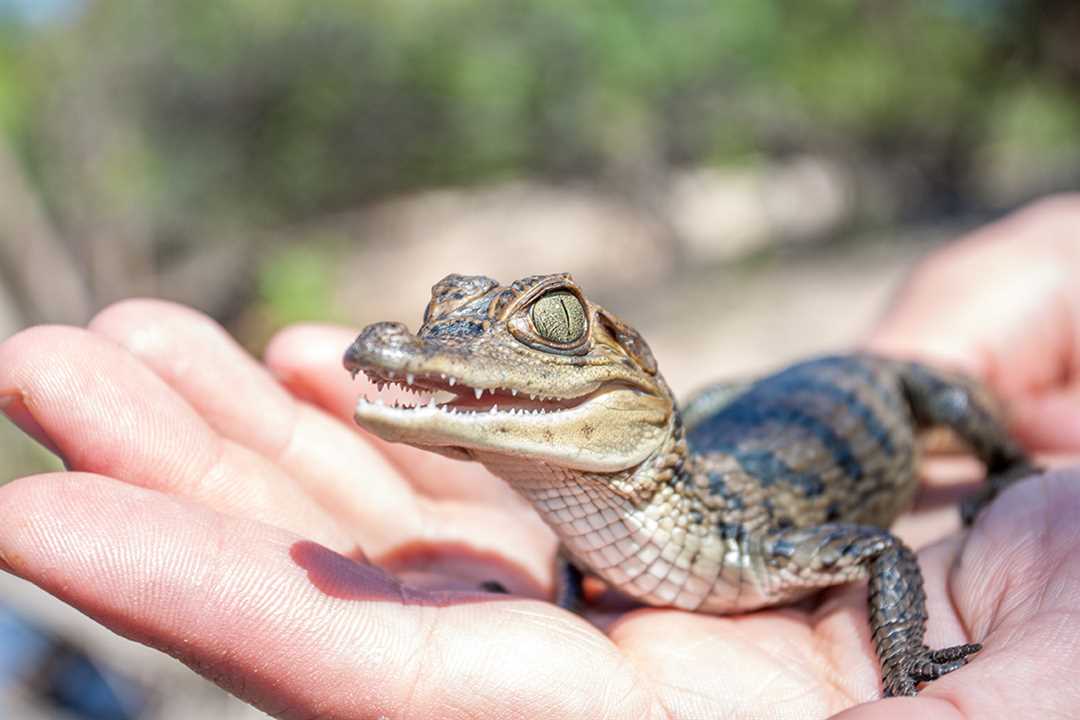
(559, 317)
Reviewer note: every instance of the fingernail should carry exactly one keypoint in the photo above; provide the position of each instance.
(13, 406)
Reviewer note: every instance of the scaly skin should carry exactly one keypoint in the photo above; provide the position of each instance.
(769, 491)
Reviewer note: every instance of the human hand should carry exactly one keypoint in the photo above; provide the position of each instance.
(1003, 305)
(199, 489)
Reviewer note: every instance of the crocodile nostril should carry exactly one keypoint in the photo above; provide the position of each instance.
(385, 333)
(381, 344)
(353, 359)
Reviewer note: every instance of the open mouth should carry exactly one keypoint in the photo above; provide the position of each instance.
(445, 393)
(607, 426)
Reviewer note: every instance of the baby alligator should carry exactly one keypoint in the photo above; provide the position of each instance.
(756, 494)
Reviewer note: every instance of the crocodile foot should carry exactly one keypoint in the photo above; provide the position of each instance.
(924, 666)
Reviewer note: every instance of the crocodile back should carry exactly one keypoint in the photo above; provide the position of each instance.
(830, 439)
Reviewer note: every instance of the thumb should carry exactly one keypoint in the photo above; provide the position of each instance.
(1048, 422)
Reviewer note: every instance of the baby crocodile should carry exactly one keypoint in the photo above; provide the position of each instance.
(757, 494)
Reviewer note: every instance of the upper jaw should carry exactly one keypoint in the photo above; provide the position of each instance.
(388, 353)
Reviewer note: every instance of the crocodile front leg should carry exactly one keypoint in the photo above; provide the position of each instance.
(837, 553)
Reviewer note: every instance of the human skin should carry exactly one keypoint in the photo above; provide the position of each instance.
(228, 513)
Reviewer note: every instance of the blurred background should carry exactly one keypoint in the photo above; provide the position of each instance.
(745, 182)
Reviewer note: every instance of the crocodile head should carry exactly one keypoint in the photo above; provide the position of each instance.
(531, 370)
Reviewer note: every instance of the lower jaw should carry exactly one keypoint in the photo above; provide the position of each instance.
(577, 438)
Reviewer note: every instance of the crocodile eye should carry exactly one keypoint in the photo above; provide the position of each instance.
(559, 317)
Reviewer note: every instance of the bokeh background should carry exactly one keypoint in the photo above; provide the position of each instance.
(745, 181)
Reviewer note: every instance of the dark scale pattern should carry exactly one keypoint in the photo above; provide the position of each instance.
(961, 405)
(898, 619)
(453, 291)
(826, 450)
(829, 438)
(770, 469)
(456, 328)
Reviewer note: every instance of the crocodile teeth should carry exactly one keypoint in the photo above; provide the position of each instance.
(409, 377)
(451, 381)
(478, 392)
(494, 409)
(513, 392)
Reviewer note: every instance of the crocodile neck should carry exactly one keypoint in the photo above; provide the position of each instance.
(648, 530)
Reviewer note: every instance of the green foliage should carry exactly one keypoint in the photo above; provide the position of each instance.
(874, 67)
(268, 111)
(294, 285)
(1037, 117)
(14, 72)
(20, 456)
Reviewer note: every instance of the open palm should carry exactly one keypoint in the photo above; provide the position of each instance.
(237, 520)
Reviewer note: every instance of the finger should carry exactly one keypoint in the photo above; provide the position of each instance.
(106, 412)
(239, 398)
(294, 628)
(1050, 421)
(307, 358)
(190, 352)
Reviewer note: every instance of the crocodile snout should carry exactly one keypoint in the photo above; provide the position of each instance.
(386, 345)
